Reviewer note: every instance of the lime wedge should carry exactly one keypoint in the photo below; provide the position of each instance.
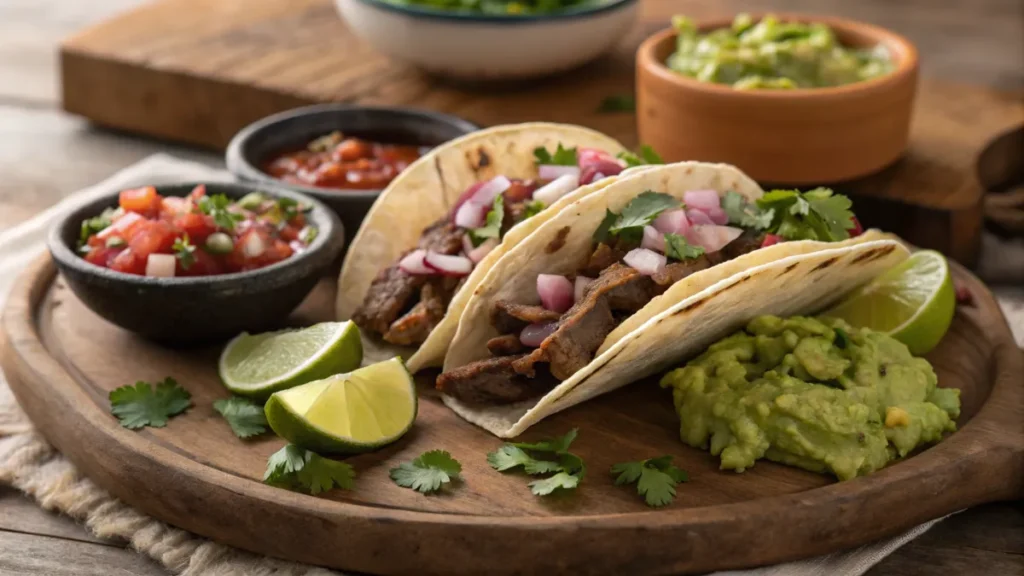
(347, 413)
(913, 302)
(258, 365)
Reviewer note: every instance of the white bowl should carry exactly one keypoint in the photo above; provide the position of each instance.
(475, 46)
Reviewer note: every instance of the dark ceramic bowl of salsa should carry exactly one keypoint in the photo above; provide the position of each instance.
(196, 310)
(255, 149)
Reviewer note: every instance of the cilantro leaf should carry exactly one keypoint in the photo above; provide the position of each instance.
(558, 444)
(817, 214)
(842, 339)
(746, 214)
(618, 103)
(217, 207)
(427, 473)
(562, 480)
(184, 251)
(492, 224)
(96, 224)
(834, 210)
(646, 157)
(677, 247)
(561, 157)
(568, 468)
(300, 470)
(142, 405)
(508, 457)
(602, 234)
(533, 207)
(642, 210)
(245, 417)
(655, 479)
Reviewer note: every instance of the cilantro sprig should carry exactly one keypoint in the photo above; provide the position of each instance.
(656, 479)
(428, 473)
(184, 251)
(246, 418)
(144, 405)
(641, 211)
(817, 214)
(217, 207)
(300, 470)
(96, 224)
(533, 207)
(492, 223)
(647, 156)
(561, 157)
(544, 457)
(677, 247)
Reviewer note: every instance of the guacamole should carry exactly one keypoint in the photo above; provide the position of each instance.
(772, 54)
(813, 393)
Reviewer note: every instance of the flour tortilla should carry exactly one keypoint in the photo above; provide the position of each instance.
(693, 313)
(426, 191)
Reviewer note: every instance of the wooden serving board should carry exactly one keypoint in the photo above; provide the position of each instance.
(199, 70)
(61, 361)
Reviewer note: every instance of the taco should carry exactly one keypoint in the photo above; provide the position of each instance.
(435, 232)
(624, 282)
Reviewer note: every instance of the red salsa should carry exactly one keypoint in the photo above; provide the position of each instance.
(197, 235)
(334, 161)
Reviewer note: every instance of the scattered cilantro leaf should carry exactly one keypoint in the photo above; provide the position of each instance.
(544, 457)
(308, 234)
(655, 479)
(746, 214)
(647, 156)
(538, 467)
(492, 224)
(217, 207)
(835, 211)
(562, 480)
(817, 214)
(96, 224)
(508, 457)
(842, 339)
(143, 405)
(427, 473)
(618, 103)
(300, 470)
(642, 210)
(245, 417)
(184, 251)
(677, 247)
(557, 445)
(602, 234)
(533, 207)
(561, 157)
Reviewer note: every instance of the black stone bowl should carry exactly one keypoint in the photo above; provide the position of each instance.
(197, 310)
(294, 129)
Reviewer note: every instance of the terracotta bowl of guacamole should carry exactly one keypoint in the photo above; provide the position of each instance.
(788, 98)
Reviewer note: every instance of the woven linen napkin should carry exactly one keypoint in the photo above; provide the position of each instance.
(29, 464)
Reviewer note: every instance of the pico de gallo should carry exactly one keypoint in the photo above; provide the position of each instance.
(196, 235)
(339, 162)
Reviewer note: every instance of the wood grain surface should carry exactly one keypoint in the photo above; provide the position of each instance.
(61, 361)
(973, 42)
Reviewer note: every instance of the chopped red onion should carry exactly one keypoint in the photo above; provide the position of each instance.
(717, 215)
(413, 263)
(254, 245)
(477, 254)
(555, 292)
(699, 218)
(471, 215)
(464, 197)
(646, 262)
(672, 222)
(297, 246)
(119, 225)
(581, 286)
(702, 199)
(557, 188)
(552, 171)
(448, 265)
(160, 265)
(486, 194)
(534, 334)
(593, 172)
(713, 238)
(653, 239)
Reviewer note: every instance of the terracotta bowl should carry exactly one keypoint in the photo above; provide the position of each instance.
(802, 136)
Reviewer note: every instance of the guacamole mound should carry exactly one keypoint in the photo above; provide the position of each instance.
(813, 393)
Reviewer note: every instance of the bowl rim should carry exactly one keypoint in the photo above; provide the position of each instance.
(241, 167)
(903, 51)
(505, 20)
(325, 248)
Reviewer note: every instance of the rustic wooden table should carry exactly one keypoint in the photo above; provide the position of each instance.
(45, 155)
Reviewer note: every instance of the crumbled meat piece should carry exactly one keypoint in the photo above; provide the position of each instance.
(747, 242)
(415, 325)
(603, 257)
(443, 237)
(509, 317)
(387, 297)
(676, 271)
(506, 345)
(492, 381)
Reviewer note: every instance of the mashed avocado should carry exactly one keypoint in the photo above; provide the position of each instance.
(772, 54)
(813, 393)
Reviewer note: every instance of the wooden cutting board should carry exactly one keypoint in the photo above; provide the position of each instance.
(197, 71)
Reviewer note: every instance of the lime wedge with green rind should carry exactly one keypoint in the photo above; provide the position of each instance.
(257, 365)
(913, 302)
(347, 413)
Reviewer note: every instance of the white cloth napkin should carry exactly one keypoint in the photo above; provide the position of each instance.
(22, 244)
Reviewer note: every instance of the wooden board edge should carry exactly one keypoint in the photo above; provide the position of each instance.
(981, 461)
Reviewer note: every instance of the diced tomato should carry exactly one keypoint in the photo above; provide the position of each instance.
(299, 221)
(205, 264)
(289, 233)
(278, 251)
(857, 229)
(250, 248)
(352, 149)
(128, 262)
(197, 226)
(103, 256)
(770, 240)
(172, 206)
(197, 193)
(520, 191)
(96, 242)
(144, 201)
(152, 237)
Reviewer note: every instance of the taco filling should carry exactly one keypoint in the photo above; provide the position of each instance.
(409, 298)
(654, 242)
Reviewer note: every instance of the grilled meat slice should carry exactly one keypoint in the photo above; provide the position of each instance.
(509, 317)
(443, 237)
(388, 296)
(603, 257)
(492, 381)
(676, 271)
(747, 242)
(416, 324)
(506, 345)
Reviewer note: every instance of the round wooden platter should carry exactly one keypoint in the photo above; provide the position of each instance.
(61, 361)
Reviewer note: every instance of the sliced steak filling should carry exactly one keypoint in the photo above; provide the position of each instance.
(416, 324)
(506, 345)
(676, 271)
(387, 298)
(492, 381)
(510, 317)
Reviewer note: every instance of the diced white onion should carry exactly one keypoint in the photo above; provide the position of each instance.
(119, 225)
(699, 218)
(448, 265)
(581, 286)
(477, 254)
(672, 222)
(552, 171)
(471, 215)
(702, 199)
(160, 265)
(556, 292)
(413, 263)
(598, 176)
(297, 246)
(557, 188)
(489, 191)
(713, 238)
(254, 246)
(646, 262)
(653, 239)
(717, 215)
(534, 334)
